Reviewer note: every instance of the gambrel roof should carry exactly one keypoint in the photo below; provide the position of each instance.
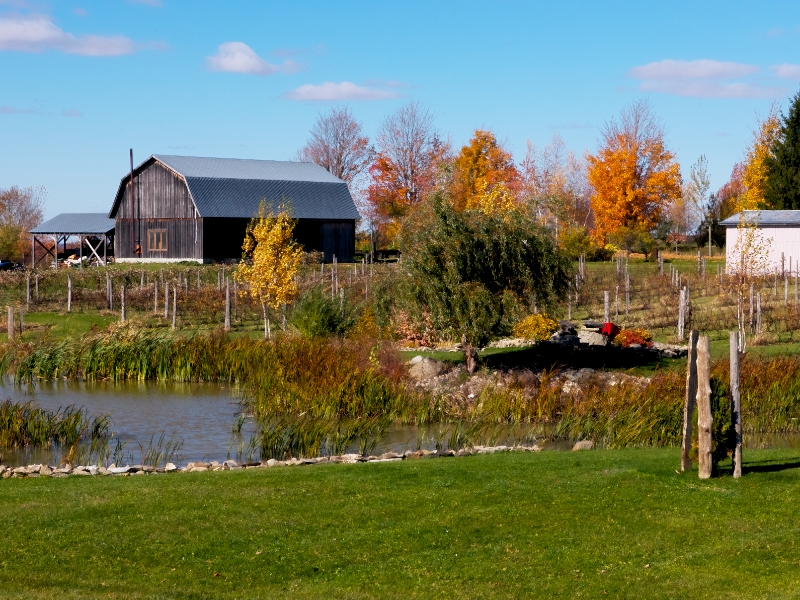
(234, 188)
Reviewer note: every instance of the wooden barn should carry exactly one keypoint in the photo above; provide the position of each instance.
(193, 208)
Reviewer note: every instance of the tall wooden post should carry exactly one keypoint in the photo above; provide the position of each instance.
(227, 306)
(166, 299)
(10, 323)
(607, 308)
(69, 293)
(122, 303)
(681, 313)
(689, 401)
(155, 296)
(736, 404)
(174, 307)
(704, 417)
(28, 292)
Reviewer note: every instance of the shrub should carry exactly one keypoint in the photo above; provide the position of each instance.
(626, 337)
(317, 315)
(535, 327)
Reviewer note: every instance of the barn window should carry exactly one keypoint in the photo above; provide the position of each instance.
(157, 240)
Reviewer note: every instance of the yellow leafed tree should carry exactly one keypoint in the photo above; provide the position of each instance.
(755, 170)
(270, 260)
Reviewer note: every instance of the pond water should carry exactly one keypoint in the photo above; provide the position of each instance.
(201, 416)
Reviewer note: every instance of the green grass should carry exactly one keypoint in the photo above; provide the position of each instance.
(605, 523)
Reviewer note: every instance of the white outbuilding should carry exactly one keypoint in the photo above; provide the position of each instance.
(768, 240)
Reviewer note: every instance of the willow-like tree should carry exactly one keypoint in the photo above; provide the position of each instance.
(633, 176)
(270, 260)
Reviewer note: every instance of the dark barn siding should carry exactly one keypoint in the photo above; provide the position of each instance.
(224, 237)
(181, 234)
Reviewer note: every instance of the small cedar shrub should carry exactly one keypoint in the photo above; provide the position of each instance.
(535, 327)
(626, 337)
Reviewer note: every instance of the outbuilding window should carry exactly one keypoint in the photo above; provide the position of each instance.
(157, 240)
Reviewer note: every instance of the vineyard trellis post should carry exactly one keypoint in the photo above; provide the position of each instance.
(689, 400)
(736, 404)
(704, 416)
(10, 323)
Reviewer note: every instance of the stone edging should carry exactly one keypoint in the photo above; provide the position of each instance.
(230, 465)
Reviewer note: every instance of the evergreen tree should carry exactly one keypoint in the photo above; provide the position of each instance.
(782, 189)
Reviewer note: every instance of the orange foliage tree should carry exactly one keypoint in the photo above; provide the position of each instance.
(754, 177)
(633, 176)
(404, 170)
(484, 175)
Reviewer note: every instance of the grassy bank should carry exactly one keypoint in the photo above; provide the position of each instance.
(592, 524)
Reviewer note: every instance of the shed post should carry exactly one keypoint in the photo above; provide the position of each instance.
(704, 417)
(689, 400)
(33, 252)
(736, 404)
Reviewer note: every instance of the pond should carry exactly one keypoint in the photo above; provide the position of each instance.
(200, 416)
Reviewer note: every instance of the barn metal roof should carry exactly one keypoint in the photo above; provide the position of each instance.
(234, 188)
(764, 218)
(76, 224)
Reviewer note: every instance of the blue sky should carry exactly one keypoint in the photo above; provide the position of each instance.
(82, 82)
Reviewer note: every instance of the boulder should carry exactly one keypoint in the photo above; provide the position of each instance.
(592, 325)
(118, 470)
(231, 464)
(170, 467)
(427, 368)
(592, 338)
(583, 445)
(45, 470)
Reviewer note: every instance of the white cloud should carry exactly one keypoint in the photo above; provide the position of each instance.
(692, 69)
(71, 112)
(11, 110)
(38, 33)
(786, 71)
(702, 79)
(238, 57)
(345, 90)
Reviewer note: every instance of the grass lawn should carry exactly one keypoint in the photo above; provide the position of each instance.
(591, 524)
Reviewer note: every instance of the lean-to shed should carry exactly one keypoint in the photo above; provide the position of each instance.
(766, 239)
(193, 208)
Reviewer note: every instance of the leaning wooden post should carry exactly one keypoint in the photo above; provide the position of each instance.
(69, 293)
(736, 405)
(607, 308)
(689, 401)
(122, 303)
(10, 323)
(227, 306)
(704, 418)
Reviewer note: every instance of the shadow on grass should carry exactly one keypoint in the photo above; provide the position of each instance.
(770, 466)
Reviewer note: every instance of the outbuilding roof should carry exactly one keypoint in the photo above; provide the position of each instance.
(76, 224)
(234, 188)
(764, 218)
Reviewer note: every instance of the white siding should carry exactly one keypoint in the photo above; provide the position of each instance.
(773, 240)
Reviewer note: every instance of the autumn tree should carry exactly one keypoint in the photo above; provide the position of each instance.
(756, 163)
(634, 177)
(338, 144)
(782, 184)
(405, 168)
(21, 210)
(270, 258)
(484, 175)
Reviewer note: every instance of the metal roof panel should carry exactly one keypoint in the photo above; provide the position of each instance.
(76, 224)
(764, 217)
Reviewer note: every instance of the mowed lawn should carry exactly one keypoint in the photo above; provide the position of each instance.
(554, 524)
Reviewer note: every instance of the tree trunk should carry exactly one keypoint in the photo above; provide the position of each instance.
(704, 417)
(471, 358)
(736, 408)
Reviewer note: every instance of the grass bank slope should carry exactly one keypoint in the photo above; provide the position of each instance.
(617, 523)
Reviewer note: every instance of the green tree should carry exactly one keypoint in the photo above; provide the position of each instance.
(469, 274)
(782, 186)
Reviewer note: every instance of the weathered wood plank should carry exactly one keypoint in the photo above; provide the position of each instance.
(704, 417)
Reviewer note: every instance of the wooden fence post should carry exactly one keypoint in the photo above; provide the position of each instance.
(28, 292)
(607, 309)
(174, 307)
(10, 323)
(736, 404)
(166, 299)
(227, 306)
(704, 417)
(69, 293)
(689, 400)
(155, 296)
(122, 303)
